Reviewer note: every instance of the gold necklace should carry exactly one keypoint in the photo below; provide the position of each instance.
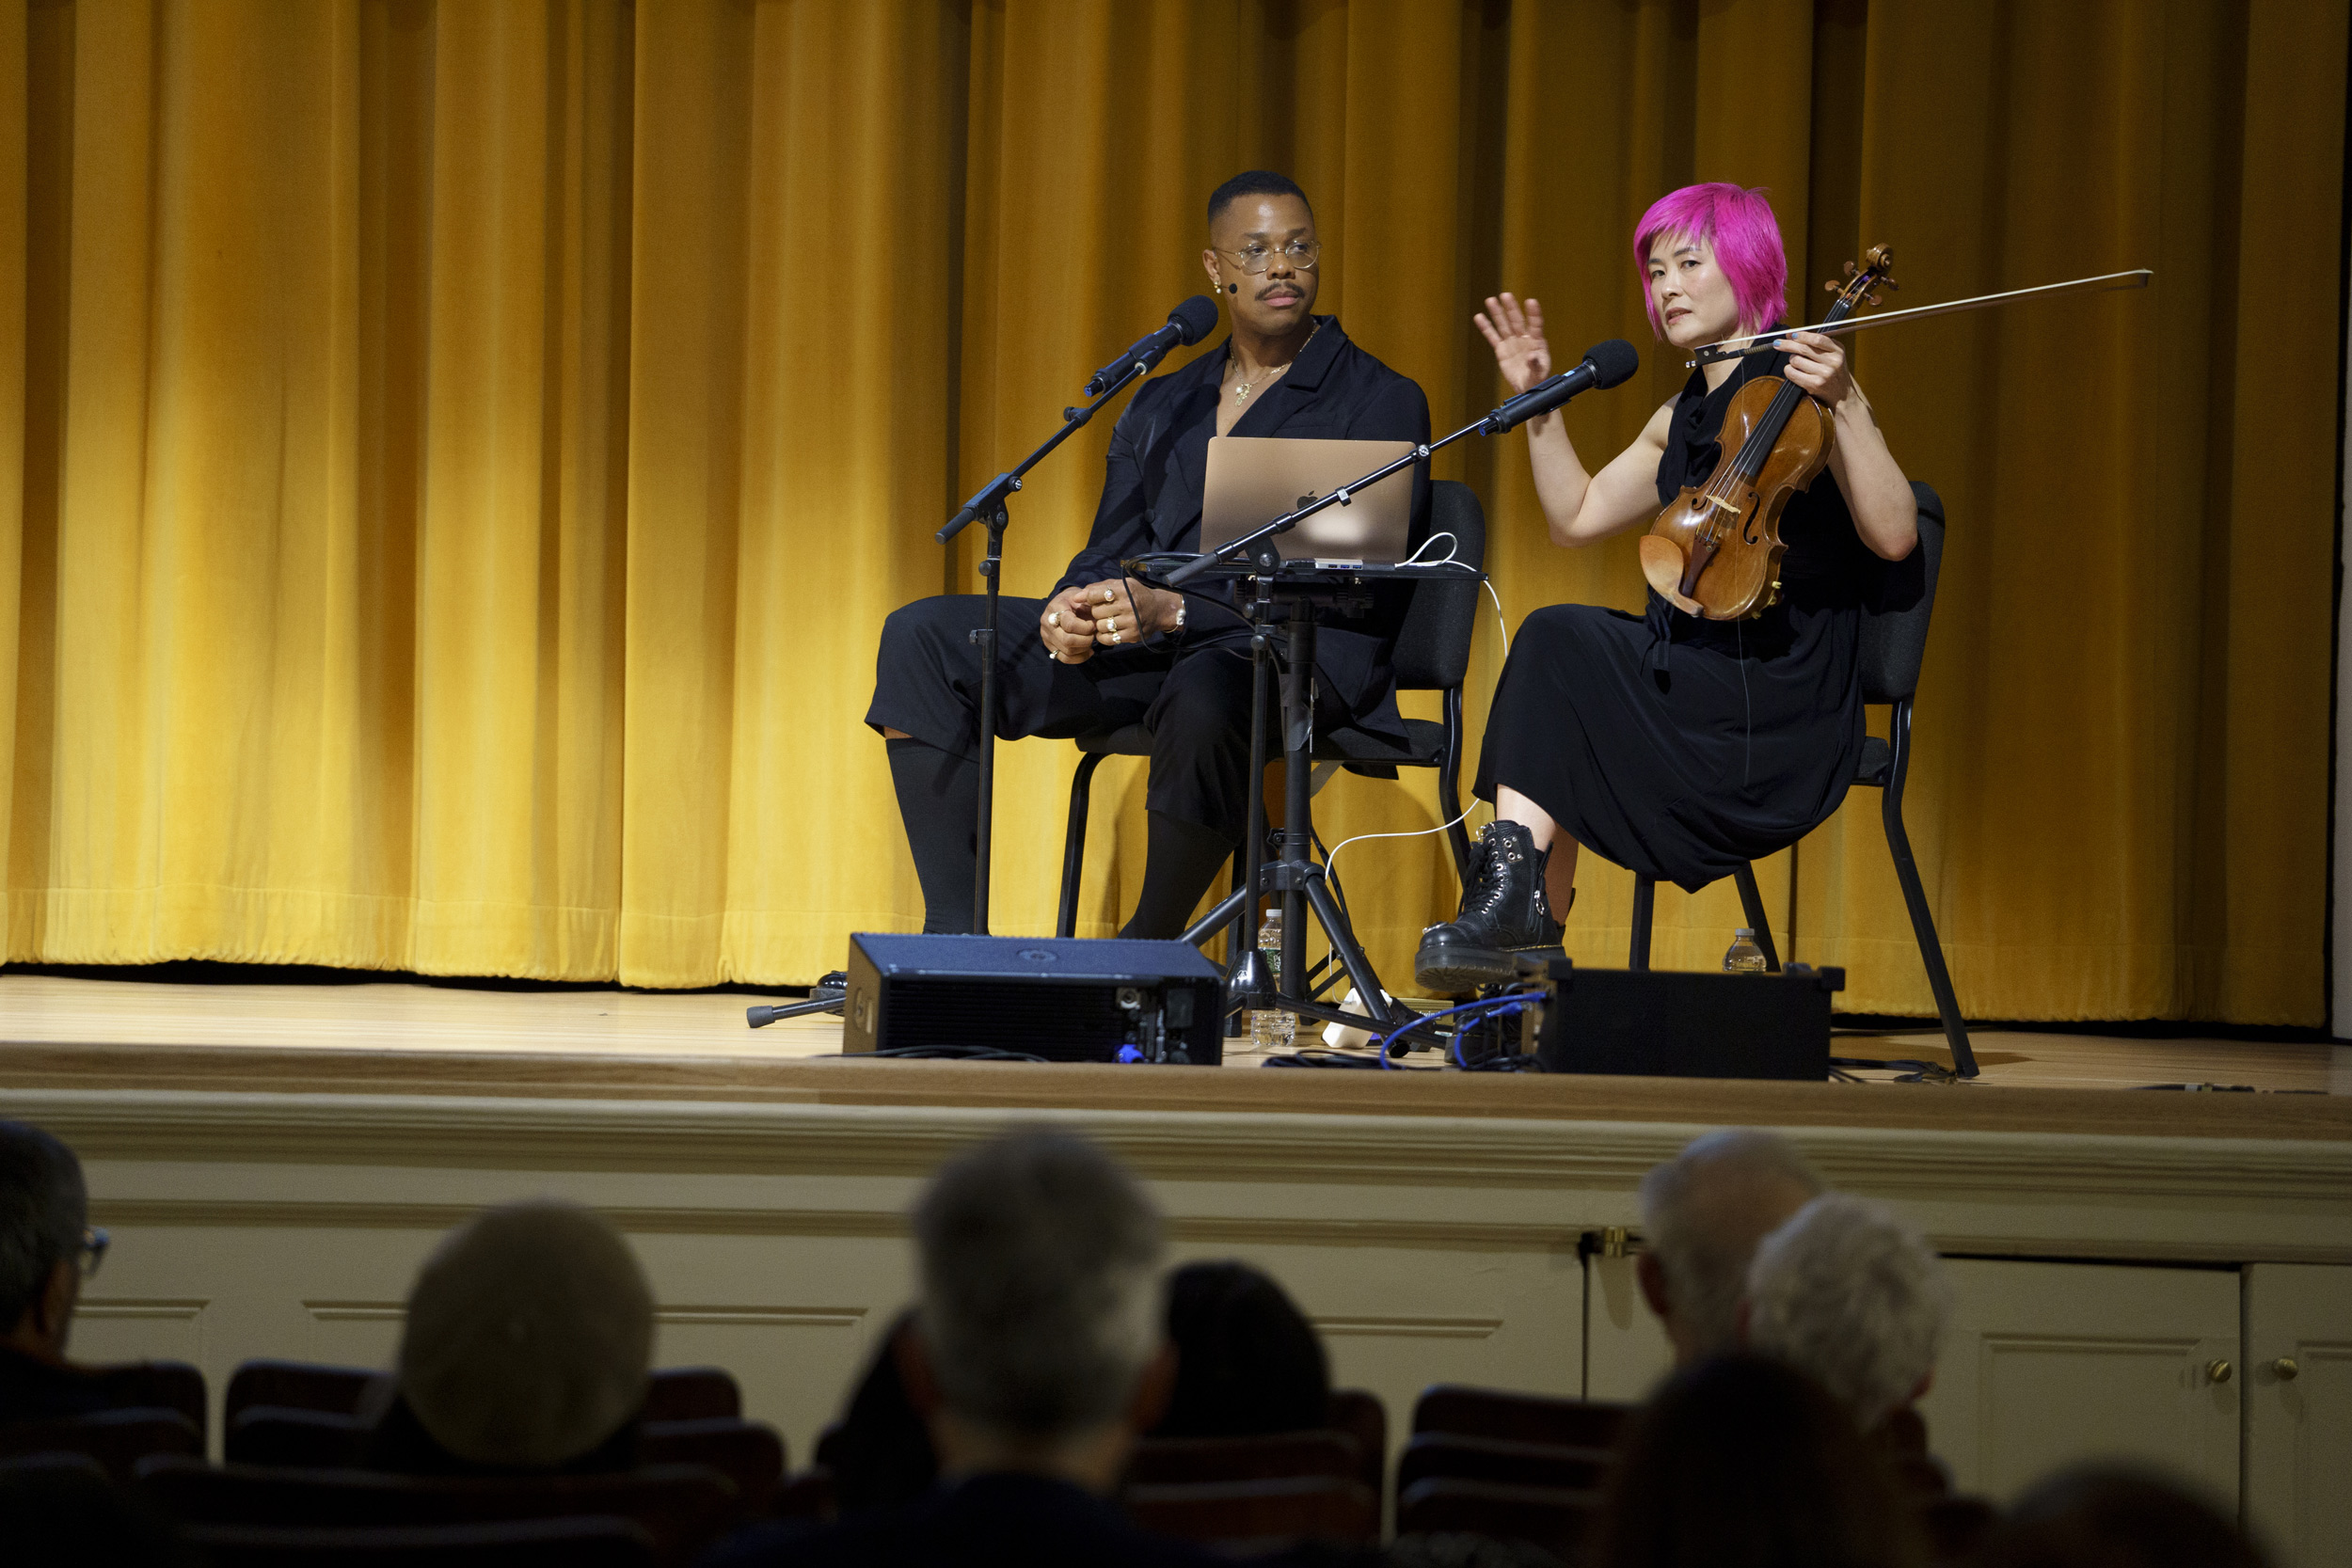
(1240, 390)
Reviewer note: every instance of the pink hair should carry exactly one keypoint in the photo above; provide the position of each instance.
(1738, 226)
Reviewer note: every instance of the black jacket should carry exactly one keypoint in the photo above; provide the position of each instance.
(1158, 468)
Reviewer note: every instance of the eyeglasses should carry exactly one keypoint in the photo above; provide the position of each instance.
(1255, 259)
(94, 1244)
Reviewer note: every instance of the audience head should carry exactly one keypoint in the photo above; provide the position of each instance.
(2116, 1516)
(45, 1218)
(1744, 1463)
(529, 1338)
(1247, 1359)
(1038, 1343)
(1703, 1211)
(1852, 1297)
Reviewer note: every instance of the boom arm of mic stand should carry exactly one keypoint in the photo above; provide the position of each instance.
(1340, 496)
(988, 497)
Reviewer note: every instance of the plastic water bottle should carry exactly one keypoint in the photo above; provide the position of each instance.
(1272, 1028)
(1746, 956)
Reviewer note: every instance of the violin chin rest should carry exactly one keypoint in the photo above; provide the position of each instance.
(1661, 563)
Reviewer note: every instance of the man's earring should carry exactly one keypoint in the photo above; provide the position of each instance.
(1232, 288)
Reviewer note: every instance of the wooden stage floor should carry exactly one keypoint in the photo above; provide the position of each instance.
(415, 1038)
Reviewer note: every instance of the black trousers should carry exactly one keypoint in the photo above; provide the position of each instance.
(1193, 695)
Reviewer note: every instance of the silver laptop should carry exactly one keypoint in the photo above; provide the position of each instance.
(1253, 480)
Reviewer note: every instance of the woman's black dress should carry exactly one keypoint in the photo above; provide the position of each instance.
(1679, 747)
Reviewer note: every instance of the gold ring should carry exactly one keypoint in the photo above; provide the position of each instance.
(1113, 637)
(1054, 619)
(1107, 596)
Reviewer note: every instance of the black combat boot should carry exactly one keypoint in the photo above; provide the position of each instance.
(1503, 913)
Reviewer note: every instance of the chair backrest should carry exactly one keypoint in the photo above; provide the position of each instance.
(682, 1507)
(748, 1453)
(1429, 1454)
(1518, 1418)
(117, 1440)
(671, 1393)
(285, 1439)
(1550, 1517)
(1433, 647)
(806, 1495)
(295, 1386)
(1358, 1412)
(157, 1386)
(693, 1394)
(590, 1542)
(1895, 630)
(1266, 1456)
(1248, 1517)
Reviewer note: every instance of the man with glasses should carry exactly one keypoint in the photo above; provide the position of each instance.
(47, 1250)
(1111, 650)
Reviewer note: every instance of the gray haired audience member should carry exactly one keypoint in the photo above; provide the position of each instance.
(1038, 1356)
(44, 1235)
(1852, 1297)
(526, 1348)
(1703, 1213)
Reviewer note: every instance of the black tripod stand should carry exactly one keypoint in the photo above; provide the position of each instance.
(1297, 590)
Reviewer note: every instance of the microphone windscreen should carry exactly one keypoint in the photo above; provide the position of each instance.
(1195, 318)
(1613, 361)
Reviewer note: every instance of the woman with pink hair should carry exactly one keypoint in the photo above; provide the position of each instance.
(1675, 746)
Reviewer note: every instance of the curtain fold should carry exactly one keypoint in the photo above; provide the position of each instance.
(456, 459)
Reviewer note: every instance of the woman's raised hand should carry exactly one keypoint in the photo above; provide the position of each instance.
(1518, 337)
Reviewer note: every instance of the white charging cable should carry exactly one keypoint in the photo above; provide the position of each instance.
(1502, 628)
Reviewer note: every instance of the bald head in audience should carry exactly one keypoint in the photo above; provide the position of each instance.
(1703, 1213)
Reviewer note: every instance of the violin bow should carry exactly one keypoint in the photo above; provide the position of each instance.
(1767, 342)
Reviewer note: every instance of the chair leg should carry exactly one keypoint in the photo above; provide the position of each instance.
(1074, 847)
(1644, 904)
(1751, 900)
(1450, 786)
(1915, 895)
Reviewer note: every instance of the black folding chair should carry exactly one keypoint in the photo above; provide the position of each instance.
(1894, 642)
(1432, 654)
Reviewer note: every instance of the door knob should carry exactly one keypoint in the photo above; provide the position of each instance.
(2217, 1371)
(2285, 1367)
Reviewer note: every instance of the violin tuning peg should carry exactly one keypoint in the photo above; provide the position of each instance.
(1889, 283)
(1832, 288)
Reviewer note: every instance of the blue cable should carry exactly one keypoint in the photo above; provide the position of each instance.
(1497, 1004)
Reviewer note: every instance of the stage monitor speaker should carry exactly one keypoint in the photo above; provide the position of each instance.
(1095, 1000)
(1660, 1024)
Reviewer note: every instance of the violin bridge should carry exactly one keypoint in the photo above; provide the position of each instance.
(1722, 505)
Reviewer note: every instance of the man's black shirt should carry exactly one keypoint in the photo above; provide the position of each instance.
(1158, 468)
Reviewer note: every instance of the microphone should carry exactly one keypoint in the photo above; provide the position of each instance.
(1605, 364)
(1190, 322)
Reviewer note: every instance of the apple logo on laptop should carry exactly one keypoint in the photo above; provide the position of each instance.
(1307, 500)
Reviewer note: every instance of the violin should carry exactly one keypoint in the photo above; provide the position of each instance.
(1716, 549)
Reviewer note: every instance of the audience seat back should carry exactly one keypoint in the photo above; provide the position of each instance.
(114, 1440)
(693, 1394)
(1250, 1517)
(295, 1386)
(1431, 1455)
(749, 1454)
(1554, 1519)
(276, 1437)
(1267, 1456)
(585, 1543)
(1358, 1412)
(671, 1393)
(1519, 1417)
(158, 1385)
(806, 1495)
(682, 1507)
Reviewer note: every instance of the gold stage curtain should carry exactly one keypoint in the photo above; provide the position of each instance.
(462, 453)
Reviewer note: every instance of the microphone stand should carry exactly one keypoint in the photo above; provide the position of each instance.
(1294, 872)
(988, 505)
